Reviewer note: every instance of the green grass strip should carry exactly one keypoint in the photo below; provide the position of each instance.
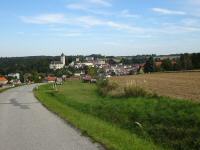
(109, 135)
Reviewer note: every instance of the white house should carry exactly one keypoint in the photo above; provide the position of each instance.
(58, 64)
(89, 58)
(14, 75)
(89, 64)
(77, 59)
(100, 62)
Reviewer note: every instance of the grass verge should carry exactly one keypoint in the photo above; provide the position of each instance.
(167, 122)
(109, 135)
(5, 89)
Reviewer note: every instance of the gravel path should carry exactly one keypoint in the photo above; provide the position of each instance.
(26, 125)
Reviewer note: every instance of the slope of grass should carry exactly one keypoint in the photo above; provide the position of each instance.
(109, 135)
(170, 123)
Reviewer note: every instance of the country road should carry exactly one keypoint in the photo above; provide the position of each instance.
(26, 125)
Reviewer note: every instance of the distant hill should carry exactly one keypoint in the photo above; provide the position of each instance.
(25, 64)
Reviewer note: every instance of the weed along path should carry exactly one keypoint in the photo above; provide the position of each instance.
(26, 125)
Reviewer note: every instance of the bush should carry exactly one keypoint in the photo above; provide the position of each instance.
(104, 87)
(102, 83)
(112, 86)
(134, 91)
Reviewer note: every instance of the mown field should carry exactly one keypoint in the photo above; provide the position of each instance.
(139, 123)
(176, 85)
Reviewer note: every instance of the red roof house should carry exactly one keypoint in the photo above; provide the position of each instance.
(3, 81)
(50, 79)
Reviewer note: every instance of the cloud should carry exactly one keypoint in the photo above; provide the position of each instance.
(101, 2)
(70, 34)
(178, 28)
(191, 22)
(112, 43)
(44, 19)
(90, 21)
(77, 6)
(181, 29)
(84, 21)
(194, 2)
(168, 11)
(121, 26)
(125, 13)
(88, 9)
(91, 6)
(85, 5)
(20, 33)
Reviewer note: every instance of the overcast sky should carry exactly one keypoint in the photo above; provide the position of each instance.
(108, 27)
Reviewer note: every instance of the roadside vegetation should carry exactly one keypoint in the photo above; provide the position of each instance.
(113, 89)
(7, 88)
(3, 89)
(75, 112)
(126, 121)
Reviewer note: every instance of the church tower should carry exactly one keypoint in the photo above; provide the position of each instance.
(62, 59)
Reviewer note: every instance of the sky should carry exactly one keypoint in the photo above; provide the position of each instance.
(107, 27)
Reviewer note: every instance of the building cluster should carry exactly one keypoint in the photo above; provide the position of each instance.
(120, 69)
(89, 62)
(117, 69)
(10, 79)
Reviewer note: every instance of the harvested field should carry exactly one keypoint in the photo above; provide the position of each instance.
(185, 85)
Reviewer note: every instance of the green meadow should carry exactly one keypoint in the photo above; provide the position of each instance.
(133, 123)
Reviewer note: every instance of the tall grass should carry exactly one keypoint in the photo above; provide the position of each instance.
(135, 91)
(107, 88)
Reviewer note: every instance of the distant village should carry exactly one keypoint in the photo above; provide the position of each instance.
(107, 67)
(94, 67)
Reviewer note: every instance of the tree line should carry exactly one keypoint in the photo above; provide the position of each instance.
(185, 62)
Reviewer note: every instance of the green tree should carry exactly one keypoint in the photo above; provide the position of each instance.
(150, 65)
(92, 71)
(195, 60)
(35, 77)
(167, 65)
(61, 72)
(177, 65)
(186, 61)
